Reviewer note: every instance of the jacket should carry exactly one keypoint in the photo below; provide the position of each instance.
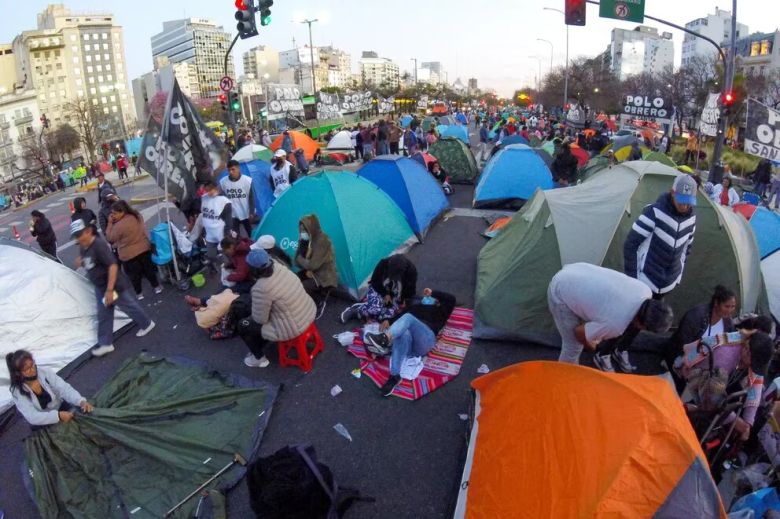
(44, 233)
(564, 167)
(281, 305)
(693, 325)
(29, 407)
(216, 307)
(319, 257)
(717, 190)
(435, 316)
(393, 272)
(87, 215)
(484, 135)
(658, 245)
(238, 262)
(128, 235)
(763, 172)
(104, 192)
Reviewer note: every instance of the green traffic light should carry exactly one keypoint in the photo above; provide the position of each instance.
(265, 20)
(236, 106)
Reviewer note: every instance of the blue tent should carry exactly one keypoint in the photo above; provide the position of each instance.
(406, 120)
(511, 177)
(766, 227)
(260, 172)
(461, 117)
(513, 139)
(133, 146)
(457, 131)
(411, 187)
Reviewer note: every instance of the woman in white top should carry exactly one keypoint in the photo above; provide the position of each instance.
(724, 194)
(40, 395)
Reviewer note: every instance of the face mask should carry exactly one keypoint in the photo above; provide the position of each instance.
(304, 236)
(31, 379)
(428, 300)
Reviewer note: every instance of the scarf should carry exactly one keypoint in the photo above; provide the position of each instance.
(724, 197)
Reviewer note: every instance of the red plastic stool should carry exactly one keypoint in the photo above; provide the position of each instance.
(303, 358)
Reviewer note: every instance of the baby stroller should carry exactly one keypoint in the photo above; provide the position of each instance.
(189, 256)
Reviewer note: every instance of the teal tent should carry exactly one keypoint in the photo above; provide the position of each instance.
(363, 222)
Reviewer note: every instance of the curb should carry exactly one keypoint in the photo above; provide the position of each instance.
(144, 200)
(93, 185)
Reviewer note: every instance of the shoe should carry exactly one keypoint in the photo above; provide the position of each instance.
(99, 351)
(349, 313)
(253, 362)
(192, 301)
(146, 330)
(140, 297)
(390, 385)
(620, 358)
(604, 363)
(158, 289)
(321, 308)
(378, 344)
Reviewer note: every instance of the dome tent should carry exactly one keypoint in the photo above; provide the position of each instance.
(252, 152)
(341, 141)
(456, 159)
(511, 177)
(589, 223)
(260, 173)
(364, 224)
(299, 140)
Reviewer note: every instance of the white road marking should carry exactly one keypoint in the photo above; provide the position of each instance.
(55, 204)
(15, 223)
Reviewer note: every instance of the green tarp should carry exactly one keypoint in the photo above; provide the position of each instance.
(456, 159)
(160, 428)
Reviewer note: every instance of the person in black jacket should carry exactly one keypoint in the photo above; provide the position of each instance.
(106, 197)
(40, 227)
(564, 167)
(81, 211)
(761, 177)
(393, 282)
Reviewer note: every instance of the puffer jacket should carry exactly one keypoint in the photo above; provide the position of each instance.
(281, 305)
(319, 257)
(658, 245)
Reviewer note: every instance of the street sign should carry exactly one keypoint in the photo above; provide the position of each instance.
(625, 10)
(226, 84)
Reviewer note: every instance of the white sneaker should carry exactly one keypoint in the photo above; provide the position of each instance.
(99, 351)
(623, 362)
(146, 330)
(140, 297)
(604, 363)
(158, 290)
(253, 362)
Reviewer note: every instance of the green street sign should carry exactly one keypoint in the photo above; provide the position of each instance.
(625, 10)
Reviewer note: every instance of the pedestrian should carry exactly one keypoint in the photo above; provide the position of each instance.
(664, 146)
(302, 165)
(762, 175)
(660, 240)
(265, 138)
(122, 165)
(316, 259)
(366, 137)
(112, 287)
(40, 228)
(281, 173)
(564, 167)
(357, 141)
(81, 211)
(127, 233)
(431, 138)
(382, 137)
(235, 270)
(394, 138)
(774, 189)
(484, 140)
(410, 141)
(636, 152)
(287, 144)
(106, 197)
(724, 194)
(590, 304)
(691, 147)
(216, 215)
(237, 188)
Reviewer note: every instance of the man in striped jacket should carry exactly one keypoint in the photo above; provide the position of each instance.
(660, 239)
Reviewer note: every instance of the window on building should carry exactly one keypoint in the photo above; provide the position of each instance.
(78, 82)
(93, 91)
(104, 35)
(113, 99)
(106, 57)
(89, 69)
(94, 102)
(105, 110)
(75, 60)
(100, 79)
(86, 37)
(765, 48)
(105, 46)
(109, 77)
(77, 71)
(103, 100)
(73, 37)
(56, 54)
(87, 47)
(99, 68)
(80, 93)
(95, 36)
(52, 94)
(63, 94)
(108, 66)
(88, 59)
(91, 80)
(58, 66)
(755, 48)
(115, 109)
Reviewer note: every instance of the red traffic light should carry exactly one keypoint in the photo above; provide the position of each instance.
(574, 12)
(242, 5)
(728, 99)
(222, 98)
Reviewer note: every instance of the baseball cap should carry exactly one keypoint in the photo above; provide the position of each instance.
(257, 258)
(266, 241)
(685, 189)
(77, 226)
(280, 153)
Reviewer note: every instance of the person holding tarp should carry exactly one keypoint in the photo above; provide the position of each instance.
(590, 304)
(40, 395)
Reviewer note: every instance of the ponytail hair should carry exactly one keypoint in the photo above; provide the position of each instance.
(15, 360)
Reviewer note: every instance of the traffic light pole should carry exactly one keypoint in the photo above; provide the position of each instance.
(231, 114)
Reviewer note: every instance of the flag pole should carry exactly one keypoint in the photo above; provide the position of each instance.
(167, 204)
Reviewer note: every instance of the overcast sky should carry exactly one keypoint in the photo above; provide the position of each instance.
(494, 41)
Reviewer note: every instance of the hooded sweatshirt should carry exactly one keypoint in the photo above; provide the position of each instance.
(238, 262)
(317, 255)
(395, 276)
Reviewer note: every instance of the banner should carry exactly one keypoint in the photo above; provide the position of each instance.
(284, 100)
(656, 108)
(386, 105)
(708, 124)
(422, 103)
(762, 132)
(328, 106)
(184, 151)
(575, 116)
(356, 102)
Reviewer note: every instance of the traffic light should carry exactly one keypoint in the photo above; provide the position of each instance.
(264, 8)
(223, 101)
(727, 99)
(235, 103)
(246, 18)
(44, 121)
(575, 12)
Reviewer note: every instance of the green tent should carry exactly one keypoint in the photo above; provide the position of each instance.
(160, 428)
(456, 159)
(657, 156)
(593, 166)
(589, 223)
(549, 147)
(363, 222)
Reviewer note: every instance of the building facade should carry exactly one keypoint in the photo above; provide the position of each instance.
(7, 69)
(200, 43)
(161, 80)
(715, 26)
(332, 67)
(376, 71)
(19, 125)
(431, 72)
(642, 50)
(72, 57)
(262, 62)
(759, 54)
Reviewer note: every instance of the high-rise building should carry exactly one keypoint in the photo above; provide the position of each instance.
(473, 85)
(642, 50)
(376, 71)
(431, 72)
(332, 67)
(72, 56)
(201, 43)
(262, 62)
(717, 27)
(7, 69)
(19, 124)
(161, 79)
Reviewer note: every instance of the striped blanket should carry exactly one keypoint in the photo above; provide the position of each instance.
(441, 365)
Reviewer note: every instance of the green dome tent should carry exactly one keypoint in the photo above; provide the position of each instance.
(456, 159)
(657, 156)
(589, 223)
(364, 224)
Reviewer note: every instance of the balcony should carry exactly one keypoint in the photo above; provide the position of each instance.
(6, 142)
(25, 119)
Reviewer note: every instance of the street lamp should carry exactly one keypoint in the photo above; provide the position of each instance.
(415, 70)
(313, 77)
(566, 69)
(548, 42)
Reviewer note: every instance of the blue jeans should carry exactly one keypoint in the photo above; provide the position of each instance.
(760, 189)
(411, 338)
(126, 302)
(382, 148)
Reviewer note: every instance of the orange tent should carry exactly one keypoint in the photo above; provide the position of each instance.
(556, 440)
(299, 140)
(582, 156)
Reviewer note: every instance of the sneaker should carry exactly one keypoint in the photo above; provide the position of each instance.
(321, 308)
(604, 363)
(349, 313)
(99, 351)
(390, 385)
(146, 330)
(158, 289)
(378, 344)
(253, 362)
(623, 363)
(140, 297)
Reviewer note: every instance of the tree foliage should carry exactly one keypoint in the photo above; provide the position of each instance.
(87, 121)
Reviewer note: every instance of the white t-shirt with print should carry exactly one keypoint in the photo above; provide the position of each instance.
(238, 192)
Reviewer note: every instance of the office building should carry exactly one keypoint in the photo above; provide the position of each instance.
(161, 79)
(19, 125)
(431, 72)
(262, 62)
(376, 71)
(332, 67)
(717, 27)
(642, 50)
(201, 43)
(473, 86)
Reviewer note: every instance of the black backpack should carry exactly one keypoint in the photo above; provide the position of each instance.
(292, 484)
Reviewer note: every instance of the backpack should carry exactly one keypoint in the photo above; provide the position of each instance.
(292, 484)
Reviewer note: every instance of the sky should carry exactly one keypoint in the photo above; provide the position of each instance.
(495, 42)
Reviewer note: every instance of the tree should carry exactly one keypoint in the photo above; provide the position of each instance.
(34, 154)
(156, 106)
(88, 122)
(62, 141)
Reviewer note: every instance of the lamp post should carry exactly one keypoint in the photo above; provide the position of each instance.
(313, 78)
(566, 69)
(548, 42)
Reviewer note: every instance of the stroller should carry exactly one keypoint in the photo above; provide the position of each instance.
(189, 256)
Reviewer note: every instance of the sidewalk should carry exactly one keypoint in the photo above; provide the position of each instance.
(113, 177)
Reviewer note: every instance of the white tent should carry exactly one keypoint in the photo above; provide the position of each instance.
(770, 268)
(341, 141)
(251, 152)
(45, 308)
